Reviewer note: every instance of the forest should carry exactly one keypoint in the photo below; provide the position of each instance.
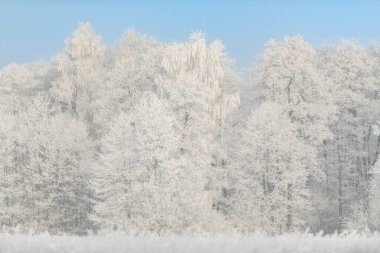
(171, 137)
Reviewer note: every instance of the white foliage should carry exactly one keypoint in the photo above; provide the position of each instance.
(272, 194)
(79, 67)
(149, 136)
(288, 72)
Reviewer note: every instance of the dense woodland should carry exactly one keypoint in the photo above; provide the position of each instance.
(151, 136)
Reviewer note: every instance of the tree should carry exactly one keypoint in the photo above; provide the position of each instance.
(287, 74)
(272, 191)
(132, 68)
(79, 71)
(44, 183)
(62, 158)
(347, 156)
(374, 199)
(197, 82)
(146, 184)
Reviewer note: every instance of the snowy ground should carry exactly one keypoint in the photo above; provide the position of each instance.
(116, 243)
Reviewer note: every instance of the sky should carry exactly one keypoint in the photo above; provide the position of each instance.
(36, 30)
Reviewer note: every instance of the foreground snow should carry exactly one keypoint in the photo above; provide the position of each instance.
(115, 243)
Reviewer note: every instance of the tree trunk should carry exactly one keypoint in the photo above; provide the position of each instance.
(289, 216)
(340, 200)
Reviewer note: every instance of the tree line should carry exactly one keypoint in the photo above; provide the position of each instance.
(151, 136)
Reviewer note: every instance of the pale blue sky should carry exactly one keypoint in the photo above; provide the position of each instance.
(35, 30)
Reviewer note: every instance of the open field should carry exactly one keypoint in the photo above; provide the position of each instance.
(116, 243)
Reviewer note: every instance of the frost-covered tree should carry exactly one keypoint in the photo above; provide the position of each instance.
(19, 85)
(132, 68)
(44, 182)
(141, 183)
(272, 191)
(135, 150)
(197, 82)
(347, 157)
(79, 71)
(374, 199)
(287, 77)
(62, 158)
(9, 212)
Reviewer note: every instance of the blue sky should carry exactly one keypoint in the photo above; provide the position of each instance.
(35, 30)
